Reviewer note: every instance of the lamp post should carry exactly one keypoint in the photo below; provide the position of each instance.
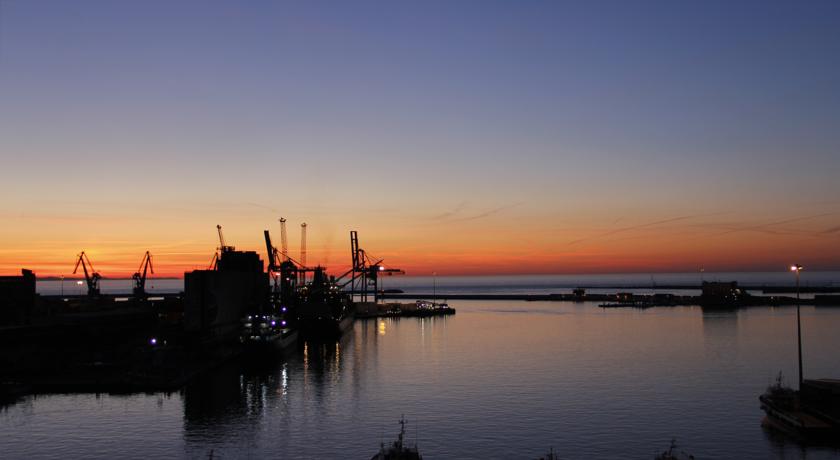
(434, 288)
(798, 268)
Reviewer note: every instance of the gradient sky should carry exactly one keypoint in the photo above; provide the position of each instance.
(457, 137)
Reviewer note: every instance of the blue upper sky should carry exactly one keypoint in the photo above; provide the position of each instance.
(537, 106)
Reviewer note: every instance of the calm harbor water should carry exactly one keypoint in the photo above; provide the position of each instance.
(497, 380)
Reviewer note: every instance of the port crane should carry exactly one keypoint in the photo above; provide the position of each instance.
(284, 244)
(214, 262)
(91, 276)
(365, 272)
(303, 244)
(223, 247)
(290, 271)
(303, 253)
(140, 276)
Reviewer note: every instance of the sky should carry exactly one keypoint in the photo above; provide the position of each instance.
(457, 137)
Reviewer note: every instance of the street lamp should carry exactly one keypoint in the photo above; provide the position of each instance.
(798, 268)
(434, 288)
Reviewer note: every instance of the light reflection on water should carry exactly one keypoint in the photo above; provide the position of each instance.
(497, 380)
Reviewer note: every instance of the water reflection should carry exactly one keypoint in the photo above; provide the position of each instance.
(506, 380)
(720, 332)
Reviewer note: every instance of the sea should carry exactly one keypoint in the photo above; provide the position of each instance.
(499, 379)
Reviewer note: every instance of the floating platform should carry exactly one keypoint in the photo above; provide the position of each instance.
(418, 308)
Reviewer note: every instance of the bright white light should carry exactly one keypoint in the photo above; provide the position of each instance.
(153, 341)
(79, 283)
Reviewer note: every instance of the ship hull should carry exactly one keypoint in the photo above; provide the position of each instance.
(324, 327)
(274, 343)
(790, 418)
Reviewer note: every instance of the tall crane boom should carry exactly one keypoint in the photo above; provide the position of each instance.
(303, 244)
(140, 276)
(354, 249)
(223, 247)
(284, 244)
(271, 251)
(91, 276)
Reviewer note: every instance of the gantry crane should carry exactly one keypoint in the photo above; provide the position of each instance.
(91, 276)
(140, 276)
(365, 271)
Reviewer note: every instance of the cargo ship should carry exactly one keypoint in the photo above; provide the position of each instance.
(323, 309)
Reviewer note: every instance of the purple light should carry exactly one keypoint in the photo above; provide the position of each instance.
(273, 323)
(283, 323)
(153, 341)
(284, 308)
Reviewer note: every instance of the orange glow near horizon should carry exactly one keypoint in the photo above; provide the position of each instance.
(487, 246)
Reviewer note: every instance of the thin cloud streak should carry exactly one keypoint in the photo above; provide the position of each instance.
(451, 216)
(487, 213)
(634, 227)
(460, 207)
(766, 227)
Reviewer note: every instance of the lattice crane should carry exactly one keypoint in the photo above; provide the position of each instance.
(91, 276)
(140, 276)
(223, 247)
(284, 244)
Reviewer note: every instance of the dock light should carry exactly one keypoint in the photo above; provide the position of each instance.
(79, 283)
(381, 268)
(795, 268)
(273, 323)
(283, 309)
(153, 341)
(283, 323)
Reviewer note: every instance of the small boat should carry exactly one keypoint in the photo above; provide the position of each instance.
(811, 413)
(630, 304)
(670, 454)
(802, 418)
(431, 308)
(398, 450)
